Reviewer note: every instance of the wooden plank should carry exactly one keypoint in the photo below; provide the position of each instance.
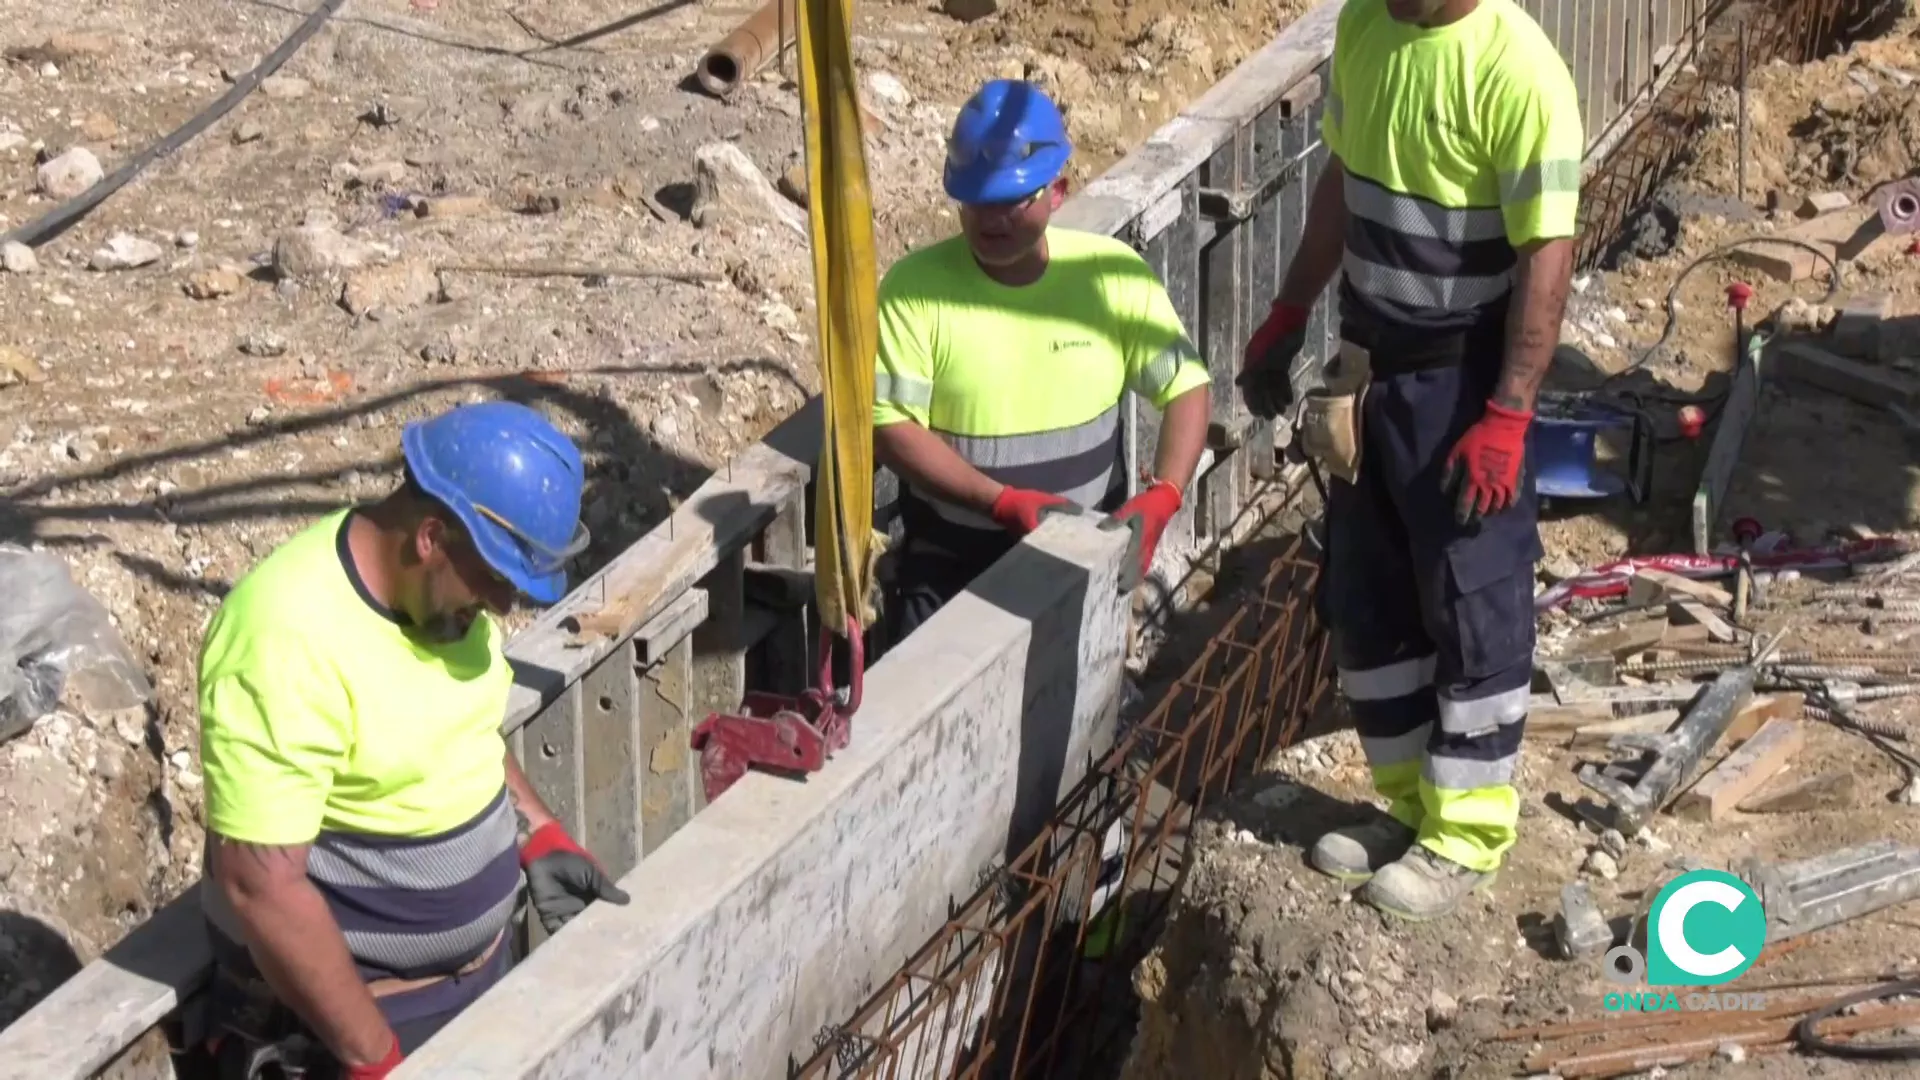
(1759, 712)
(1599, 735)
(1628, 640)
(89, 1019)
(1729, 435)
(670, 627)
(1742, 772)
(1864, 383)
(1694, 611)
(1649, 586)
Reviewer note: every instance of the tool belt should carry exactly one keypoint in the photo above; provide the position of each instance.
(255, 1037)
(1331, 419)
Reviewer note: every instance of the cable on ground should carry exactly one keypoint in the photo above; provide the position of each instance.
(67, 214)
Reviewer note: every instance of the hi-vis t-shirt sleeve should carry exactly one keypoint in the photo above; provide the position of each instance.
(271, 741)
(903, 363)
(1535, 141)
(1162, 363)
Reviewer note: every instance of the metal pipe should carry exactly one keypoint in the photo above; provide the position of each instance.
(1741, 190)
(749, 47)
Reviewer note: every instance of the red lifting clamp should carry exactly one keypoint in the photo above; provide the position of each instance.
(781, 733)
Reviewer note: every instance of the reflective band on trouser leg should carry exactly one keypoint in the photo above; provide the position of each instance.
(1395, 713)
(1466, 785)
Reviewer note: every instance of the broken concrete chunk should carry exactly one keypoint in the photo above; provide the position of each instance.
(70, 174)
(732, 188)
(1579, 927)
(450, 206)
(1856, 330)
(1825, 202)
(124, 251)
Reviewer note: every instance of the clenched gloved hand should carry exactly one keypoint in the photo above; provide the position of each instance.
(1483, 471)
(562, 879)
(1154, 507)
(379, 1069)
(1266, 369)
(1018, 510)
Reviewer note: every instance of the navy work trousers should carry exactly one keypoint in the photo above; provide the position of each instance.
(1432, 621)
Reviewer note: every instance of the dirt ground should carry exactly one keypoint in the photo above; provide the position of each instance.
(163, 426)
(1267, 969)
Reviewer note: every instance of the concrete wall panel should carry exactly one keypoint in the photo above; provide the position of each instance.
(780, 907)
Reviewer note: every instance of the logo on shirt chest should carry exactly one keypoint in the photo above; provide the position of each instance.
(1063, 344)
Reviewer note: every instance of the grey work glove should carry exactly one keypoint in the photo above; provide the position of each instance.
(562, 879)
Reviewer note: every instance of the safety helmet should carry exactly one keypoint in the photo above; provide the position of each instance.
(1008, 142)
(513, 481)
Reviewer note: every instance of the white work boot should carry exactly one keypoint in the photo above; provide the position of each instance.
(1423, 885)
(1354, 853)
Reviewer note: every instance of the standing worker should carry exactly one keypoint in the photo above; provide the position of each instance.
(1004, 354)
(1449, 200)
(367, 826)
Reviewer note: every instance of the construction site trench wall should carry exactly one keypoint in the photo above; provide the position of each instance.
(758, 922)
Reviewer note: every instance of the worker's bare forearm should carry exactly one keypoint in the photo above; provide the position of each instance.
(1183, 435)
(1542, 276)
(527, 807)
(298, 947)
(1324, 241)
(920, 458)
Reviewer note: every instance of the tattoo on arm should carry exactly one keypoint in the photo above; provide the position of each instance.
(1542, 278)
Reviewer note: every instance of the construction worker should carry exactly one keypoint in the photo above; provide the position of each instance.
(1449, 201)
(1004, 355)
(367, 827)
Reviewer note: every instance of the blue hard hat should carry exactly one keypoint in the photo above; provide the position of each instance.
(1008, 142)
(513, 481)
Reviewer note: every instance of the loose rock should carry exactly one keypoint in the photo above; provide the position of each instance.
(733, 189)
(388, 289)
(1602, 864)
(888, 90)
(125, 252)
(70, 174)
(317, 251)
(212, 284)
(1442, 1010)
(248, 131)
(284, 87)
(18, 258)
(969, 10)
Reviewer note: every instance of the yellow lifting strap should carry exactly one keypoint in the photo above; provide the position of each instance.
(841, 219)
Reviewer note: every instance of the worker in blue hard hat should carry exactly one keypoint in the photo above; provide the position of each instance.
(1005, 356)
(367, 826)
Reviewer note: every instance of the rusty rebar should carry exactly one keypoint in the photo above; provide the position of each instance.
(1886, 729)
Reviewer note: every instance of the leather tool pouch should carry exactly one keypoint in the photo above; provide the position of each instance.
(1331, 417)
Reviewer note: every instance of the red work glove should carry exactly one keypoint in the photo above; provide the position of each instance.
(562, 879)
(1154, 507)
(1266, 368)
(379, 1069)
(1483, 471)
(1018, 510)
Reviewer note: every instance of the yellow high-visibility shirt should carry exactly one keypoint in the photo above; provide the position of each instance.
(1460, 144)
(1025, 383)
(320, 712)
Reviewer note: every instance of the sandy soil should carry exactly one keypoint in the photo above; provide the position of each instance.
(199, 408)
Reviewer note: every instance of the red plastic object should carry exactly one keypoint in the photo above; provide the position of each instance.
(794, 735)
(1693, 419)
(1738, 294)
(1746, 530)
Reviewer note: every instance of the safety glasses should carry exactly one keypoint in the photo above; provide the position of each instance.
(542, 560)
